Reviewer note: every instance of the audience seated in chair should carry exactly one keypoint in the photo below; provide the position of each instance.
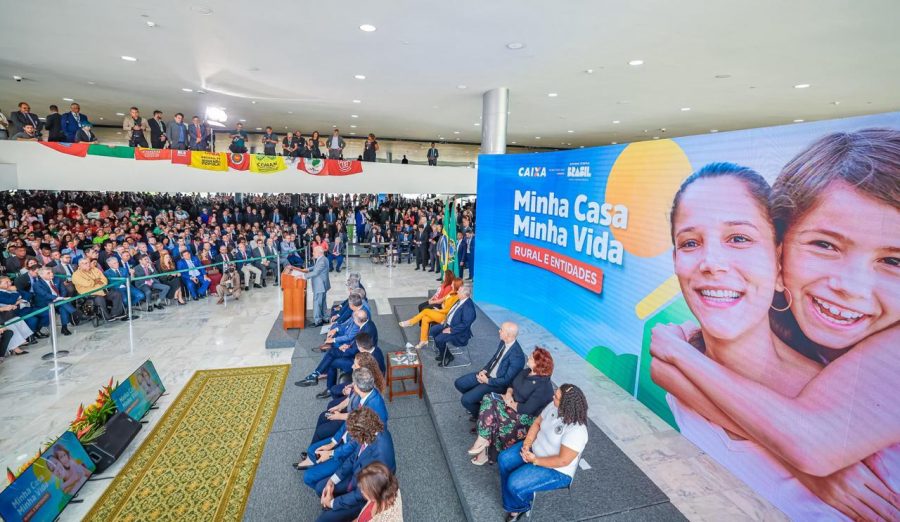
(340, 356)
(457, 329)
(505, 419)
(497, 375)
(344, 329)
(194, 276)
(379, 487)
(87, 278)
(427, 316)
(549, 455)
(364, 346)
(443, 291)
(46, 292)
(369, 442)
(318, 459)
(340, 391)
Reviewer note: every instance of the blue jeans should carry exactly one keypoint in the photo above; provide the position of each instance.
(520, 480)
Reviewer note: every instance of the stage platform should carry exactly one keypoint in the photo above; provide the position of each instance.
(431, 437)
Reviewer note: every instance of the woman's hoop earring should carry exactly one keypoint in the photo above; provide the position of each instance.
(790, 301)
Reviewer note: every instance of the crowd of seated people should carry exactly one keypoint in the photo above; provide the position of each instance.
(174, 248)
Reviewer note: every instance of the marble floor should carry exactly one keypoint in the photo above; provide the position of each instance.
(40, 398)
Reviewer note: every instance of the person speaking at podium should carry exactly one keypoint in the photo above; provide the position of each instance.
(318, 276)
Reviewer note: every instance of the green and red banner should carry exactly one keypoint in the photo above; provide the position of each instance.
(329, 167)
(75, 149)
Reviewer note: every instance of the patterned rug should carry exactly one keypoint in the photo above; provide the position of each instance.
(199, 462)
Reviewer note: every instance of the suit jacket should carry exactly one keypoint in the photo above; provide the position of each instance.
(318, 276)
(380, 450)
(461, 323)
(13, 264)
(157, 129)
(204, 136)
(182, 265)
(462, 249)
(70, 125)
(241, 257)
(43, 295)
(376, 402)
(20, 119)
(432, 153)
(60, 270)
(368, 328)
(23, 284)
(172, 134)
(53, 124)
(509, 366)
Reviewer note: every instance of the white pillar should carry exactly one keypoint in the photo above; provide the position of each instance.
(494, 115)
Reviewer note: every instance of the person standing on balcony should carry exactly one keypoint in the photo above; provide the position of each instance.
(134, 125)
(432, 155)
(199, 134)
(269, 141)
(53, 124)
(336, 145)
(72, 121)
(177, 134)
(371, 147)
(157, 130)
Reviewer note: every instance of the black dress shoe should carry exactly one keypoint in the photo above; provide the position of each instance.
(65, 331)
(160, 307)
(31, 340)
(324, 394)
(126, 318)
(447, 360)
(264, 283)
(40, 335)
(309, 381)
(256, 285)
(473, 418)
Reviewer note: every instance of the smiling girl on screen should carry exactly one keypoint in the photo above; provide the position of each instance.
(836, 204)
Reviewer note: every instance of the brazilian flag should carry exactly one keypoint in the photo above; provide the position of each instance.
(447, 244)
(111, 151)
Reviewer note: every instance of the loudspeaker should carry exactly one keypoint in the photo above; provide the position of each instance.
(105, 449)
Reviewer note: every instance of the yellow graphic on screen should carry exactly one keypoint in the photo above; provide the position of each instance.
(644, 178)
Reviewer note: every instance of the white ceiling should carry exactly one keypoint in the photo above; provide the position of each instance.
(301, 58)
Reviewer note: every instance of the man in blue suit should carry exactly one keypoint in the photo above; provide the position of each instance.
(469, 260)
(457, 328)
(73, 121)
(344, 329)
(45, 292)
(339, 494)
(497, 375)
(116, 270)
(194, 275)
(326, 452)
(340, 355)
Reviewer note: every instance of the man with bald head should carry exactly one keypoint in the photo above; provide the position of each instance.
(318, 277)
(497, 375)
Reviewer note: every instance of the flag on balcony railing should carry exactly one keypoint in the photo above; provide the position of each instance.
(323, 167)
(111, 151)
(181, 157)
(238, 161)
(209, 160)
(153, 154)
(75, 149)
(266, 164)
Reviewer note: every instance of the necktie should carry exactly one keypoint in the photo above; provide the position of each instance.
(495, 359)
(53, 287)
(198, 132)
(68, 270)
(451, 312)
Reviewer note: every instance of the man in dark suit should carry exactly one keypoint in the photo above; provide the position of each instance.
(199, 134)
(421, 244)
(17, 260)
(72, 121)
(497, 375)
(194, 275)
(267, 265)
(457, 328)
(339, 355)
(53, 124)
(462, 249)
(469, 261)
(340, 494)
(45, 292)
(23, 117)
(157, 130)
(318, 276)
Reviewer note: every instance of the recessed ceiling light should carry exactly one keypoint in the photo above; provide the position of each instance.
(713, 130)
(185, 89)
(537, 137)
(614, 143)
(253, 102)
(17, 78)
(457, 139)
(460, 86)
(360, 76)
(513, 142)
(589, 71)
(242, 120)
(685, 109)
(835, 103)
(655, 137)
(515, 45)
(101, 118)
(151, 24)
(353, 126)
(92, 83)
(616, 122)
(552, 94)
(353, 134)
(200, 91)
(455, 132)
(636, 62)
(570, 131)
(199, 9)
(290, 112)
(723, 76)
(802, 86)
(120, 114)
(798, 121)
(68, 99)
(367, 28)
(259, 128)
(129, 58)
(357, 101)
(354, 115)
(476, 124)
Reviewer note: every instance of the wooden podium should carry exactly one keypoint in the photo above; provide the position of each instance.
(294, 288)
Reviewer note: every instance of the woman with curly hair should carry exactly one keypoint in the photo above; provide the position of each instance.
(505, 419)
(366, 360)
(549, 455)
(382, 493)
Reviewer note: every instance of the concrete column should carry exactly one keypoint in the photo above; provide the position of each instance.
(494, 115)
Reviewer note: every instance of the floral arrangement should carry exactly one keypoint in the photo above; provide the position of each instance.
(89, 424)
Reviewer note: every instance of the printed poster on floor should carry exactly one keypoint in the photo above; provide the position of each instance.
(41, 492)
(743, 285)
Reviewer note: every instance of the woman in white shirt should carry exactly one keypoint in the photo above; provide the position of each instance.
(549, 455)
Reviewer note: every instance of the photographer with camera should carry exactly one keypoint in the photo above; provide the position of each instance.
(231, 281)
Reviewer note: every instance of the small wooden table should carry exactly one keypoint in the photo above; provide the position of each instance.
(400, 361)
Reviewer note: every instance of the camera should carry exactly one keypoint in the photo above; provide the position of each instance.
(18, 78)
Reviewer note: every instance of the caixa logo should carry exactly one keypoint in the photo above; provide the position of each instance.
(532, 172)
(579, 171)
